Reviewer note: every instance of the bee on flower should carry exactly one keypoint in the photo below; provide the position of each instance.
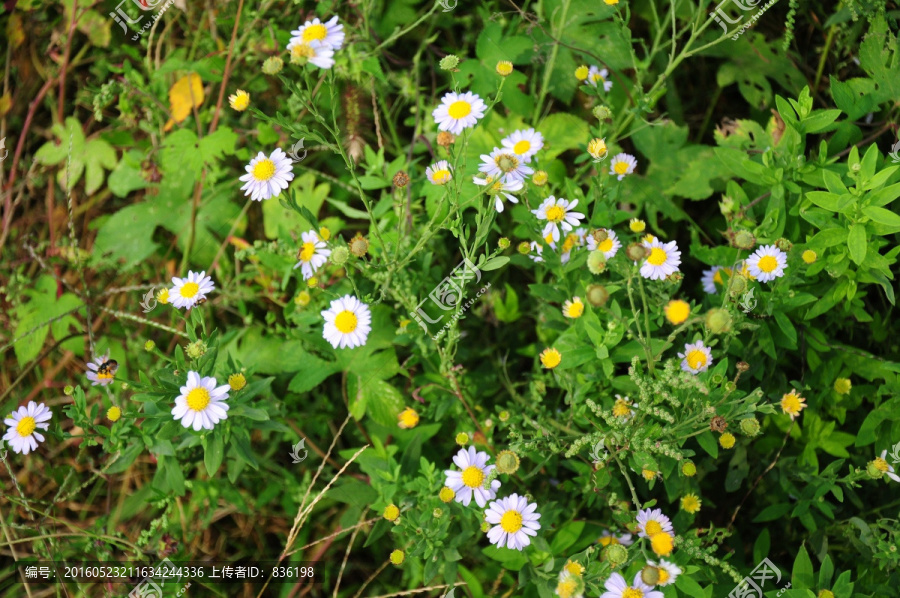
(500, 188)
(458, 111)
(468, 482)
(504, 165)
(596, 76)
(524, 144)
(696, 358)
(439, 173)
(24, 423)
(622, 164)
(312, 255)
(514, 521)
(102, 371)
(267, 176)
(559, 215)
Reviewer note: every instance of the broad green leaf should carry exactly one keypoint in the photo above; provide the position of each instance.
(214, 452)
(856, 242)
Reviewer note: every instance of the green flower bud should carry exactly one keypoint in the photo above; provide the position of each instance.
(340, 255)
(616, 554)
(524, 248)
(272, 65)
(689, 469)
(449, 62)
(68, 390)
(597, 295)
(503, 243)
(149, 346)
(650, 575)
(718, 320)
(750, 427)
(196, 350)
(507, 462)
(602, 113)
(596, 262)
(744, 240)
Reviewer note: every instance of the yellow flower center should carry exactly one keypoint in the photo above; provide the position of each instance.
(652, 527)
(620, 409)
(241, 101)
(566, 589)
(696, 359)
(441, 176)
(632, 593)
(307, 252)
(606, 245)
(581, 73)
(662, 544)
(198, 399)
(26, 426)
(556, 214)
(507, 162)
(576, 309)
(104, 375)
(189, 289)
(570, 242)
(657, 257)
(551, 358)
(264, 170)
(472, 477)
(522, 146)
(459, 109)
(767, 264)
(621, 167)
(314, 32)
(511, 522)
(608, 540)
(881, 465)
(663, 575)
(346, 322)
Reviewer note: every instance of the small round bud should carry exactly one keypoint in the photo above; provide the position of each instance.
(602, 113)
(596, 262)
(809, 256)
(507, 462)
(524, 248)
(784, 244)
(237, 381)
(825, 594)
(855, 167)
(636, 252)
(485, 527)
(113, 414)
(462, 439)
(68, 390)
(302, 299)
(744, 240)
(324, 233)
(149, 346)
(743, 366)
(445, 139)
(650, 575)
(726, 440)
(446, 494)
(616, 554)
(737, 285)
(750, 427)
(196, 349)
(503, 243)
(718, 320)
(449, 62)
(401, 179)
(312, 282)
(272, 65)
(397, 557)
(689, 469)
(504, 416)
(539, 178)
(163, 296)
(340, 255)
(599, 235)
(597, 295)
(359, 245)
(842, 386)
(581, 73)
(391, 512)
(504, 68)
(637, 225)
(437, 513)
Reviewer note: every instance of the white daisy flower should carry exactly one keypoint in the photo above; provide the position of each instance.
(557, 213)
(329, 34)
(524, 144)
(596, 75)
(313, 254)
(767, 263)
(663, 260)
(696, 358)
(573, 308)
(348, 322)
(514, 520)
(536, 250)
(610, 247)
(267, 177)
(622, 164)
(469, 480)
(500, 188)
(458, 111)
(617, 587)
(652, 521)
(191, 290)
(505, 165)
(201, 403)
(102, 371)
(713, 277)
(668, 572)
(316, 52)
(23, 423)
(607, 538)
(882, 464)
(439, 173)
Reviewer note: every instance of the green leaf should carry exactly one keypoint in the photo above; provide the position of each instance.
(708, 443)
(353, 492)
(214, 448)
(494, 263)
(562, 132)
(856, 241)
(567, 535)
(802, 576)
(772, 512)
(690, 587)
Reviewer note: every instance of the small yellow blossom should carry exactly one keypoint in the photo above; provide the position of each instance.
(574, 308)
(462, 439)
(842, 386)
(662, 543)
(391, 512)
(113, 414)
(726, 440)
(809, 256)
(239, 101)
(504, 68)
(324, 233)
(637, 225)
(574, 568)
(690, 503)
(447, 494)
(677, 311)
(539, 178)
(237, 381)
(581, 73)
(397, 557)
(408, 418)
(302, 299)
(648, 474)
(550, 358)
(792, 404)
(163, 296)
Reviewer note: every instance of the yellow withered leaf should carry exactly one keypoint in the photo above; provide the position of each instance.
(183, 96)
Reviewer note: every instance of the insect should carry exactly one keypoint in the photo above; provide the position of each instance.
(108, 368)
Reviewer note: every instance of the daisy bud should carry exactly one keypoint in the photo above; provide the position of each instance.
(272, 65)
(340, 255)
(302, 299)
(445, 139)
(504, 416)
(581, 73)
(743, 366)
(842, 386)
(650, 575)
(874, 470)
(539, 178)
(462, 439)
(616, 554)
(726, 440)
(68, 390)
(504, 68)
(750, 427)
(689, 469)
(602, 113)
(397, 557)
(718, 320)
(744, 240)
(449, 62)
(596, 262)
(727, 205)
(149, 346)
(507, 462)
(597, 295)
(825, 594)
(113, 414)
(485, 527)
(391, 512)
(809, 256)
(324, 233)
(503, 243)
(637, 225)
(729, 386)
(540, 387)
(446, 494)
(401, 179)
(359, 245)
(524, 248)
(636, 252)
(597, 148)
(599, 235)
(196, 349)
(437, 513)
(312, 282)
(783, 244)
(737, 285)
(237, 381)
